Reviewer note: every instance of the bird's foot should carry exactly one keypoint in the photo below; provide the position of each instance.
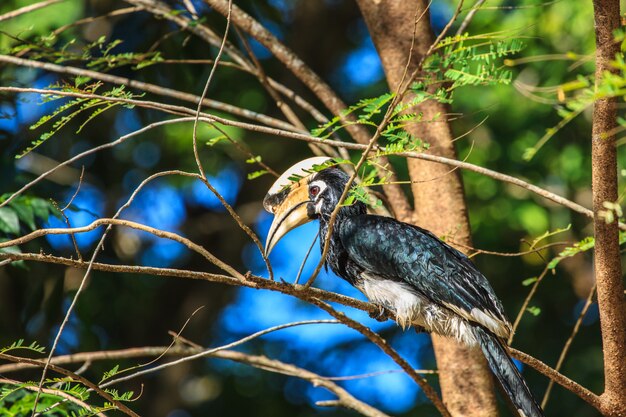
(383, 314)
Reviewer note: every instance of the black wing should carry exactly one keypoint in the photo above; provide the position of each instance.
(399, 251)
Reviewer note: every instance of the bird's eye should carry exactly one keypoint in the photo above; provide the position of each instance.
(314, 190)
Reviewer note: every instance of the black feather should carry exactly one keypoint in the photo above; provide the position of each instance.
(363, 245)
(507, 374)
(400, 251)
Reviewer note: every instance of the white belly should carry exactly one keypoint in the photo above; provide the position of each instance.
(412, 309)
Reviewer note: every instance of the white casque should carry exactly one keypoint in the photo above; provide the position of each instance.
(301, 169)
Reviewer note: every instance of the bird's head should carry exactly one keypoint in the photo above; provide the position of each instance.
(301, 195)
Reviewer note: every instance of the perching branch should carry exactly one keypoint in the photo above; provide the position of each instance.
(299, 291)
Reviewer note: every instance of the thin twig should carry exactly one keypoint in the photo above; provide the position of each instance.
(204, 93)
(133, 225)
(306, 257)
(27, 9)
(468, 19)
(202, 177)
(378, 373)
(568, 343)
(69, 203)
(69, 225)
(161, 355)
(477, 251)
(375, 338)
(522, 310)
(211, 351)
(572, 386)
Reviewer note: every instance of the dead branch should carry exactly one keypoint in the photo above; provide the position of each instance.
(133, 225)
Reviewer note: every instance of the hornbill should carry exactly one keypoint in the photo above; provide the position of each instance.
(400, 267)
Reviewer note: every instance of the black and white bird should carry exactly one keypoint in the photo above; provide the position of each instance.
(401, 267)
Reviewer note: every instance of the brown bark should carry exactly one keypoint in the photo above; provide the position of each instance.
(466, 383)
(608, 269)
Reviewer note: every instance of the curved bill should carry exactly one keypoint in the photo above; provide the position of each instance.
(288, 199)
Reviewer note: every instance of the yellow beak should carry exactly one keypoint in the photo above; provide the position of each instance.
(290, 211)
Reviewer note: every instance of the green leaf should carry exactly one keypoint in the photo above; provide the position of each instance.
(112, 372)
(548, 234)
(80, 80)
(9, 221)
(41, 208)
(582, 246)
(256, 174)
(214, 141)
(19, 344)
(534, 310)
(24, 212)
(529, 281)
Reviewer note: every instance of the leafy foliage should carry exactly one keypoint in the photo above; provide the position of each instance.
(97, 106)
(471, 60)
(579, 247)
(23, 212)
(18, 398)
(98, 55)
(19, 344)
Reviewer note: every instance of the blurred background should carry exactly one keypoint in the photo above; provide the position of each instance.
(122, 310)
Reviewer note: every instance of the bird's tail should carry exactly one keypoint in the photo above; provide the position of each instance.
(507, 374)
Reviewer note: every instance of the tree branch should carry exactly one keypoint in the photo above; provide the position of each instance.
(303, 137)
(27, 9)
(345, 399)
(607, 259)
(133, 225)
(582, 392)
(150, 88)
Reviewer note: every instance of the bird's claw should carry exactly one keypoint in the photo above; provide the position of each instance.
(381, 315)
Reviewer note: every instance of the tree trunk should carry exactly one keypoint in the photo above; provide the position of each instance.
(465, 379)
(608, 268)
